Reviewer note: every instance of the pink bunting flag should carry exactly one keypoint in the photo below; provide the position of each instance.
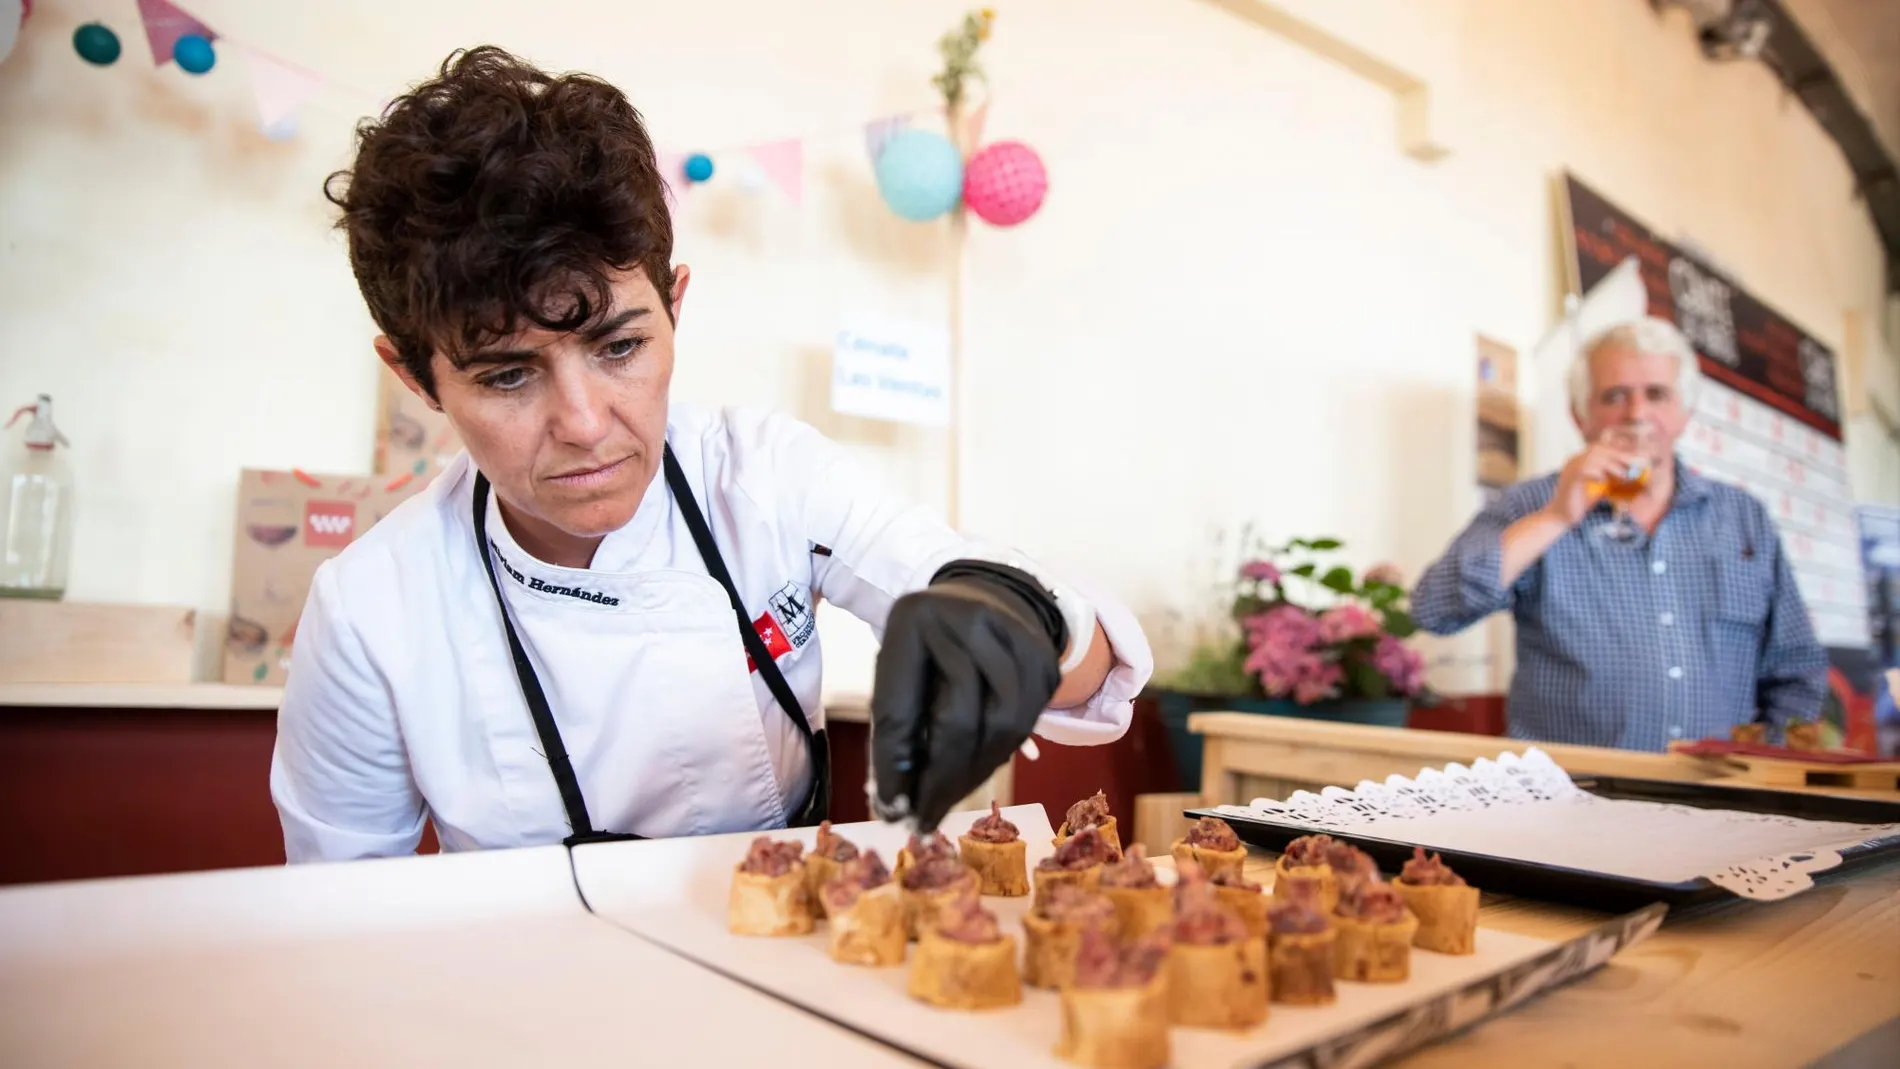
(784, 163)
(879, 131)
(673, 172)
(280, 88)
(165, 23)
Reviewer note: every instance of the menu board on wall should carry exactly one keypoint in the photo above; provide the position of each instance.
(1768, 418)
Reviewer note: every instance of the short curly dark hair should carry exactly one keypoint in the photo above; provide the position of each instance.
(495, 195)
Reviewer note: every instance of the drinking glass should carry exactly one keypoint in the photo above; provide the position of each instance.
(1624, 487)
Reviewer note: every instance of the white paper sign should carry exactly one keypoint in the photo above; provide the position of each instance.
(895, 371)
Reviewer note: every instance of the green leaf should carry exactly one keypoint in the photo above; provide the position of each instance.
(1299, 543)
(1381, 595)
(1248, 605)
(1323, 543)
(1339, 579)
(1306, 569)
(1365, 681)
(1399, 624)
(1217, 670)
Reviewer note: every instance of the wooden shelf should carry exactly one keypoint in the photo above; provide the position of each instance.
(847, 707)
(140, 696)
(844, 706)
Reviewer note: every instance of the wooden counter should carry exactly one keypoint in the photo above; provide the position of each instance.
(1246, 756)
(205, 696)
(1742, 983)
(491, 959)
(1768, 984)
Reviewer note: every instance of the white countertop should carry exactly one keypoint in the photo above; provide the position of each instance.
(470, 960)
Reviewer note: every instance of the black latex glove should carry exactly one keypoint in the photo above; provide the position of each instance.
(967, 665)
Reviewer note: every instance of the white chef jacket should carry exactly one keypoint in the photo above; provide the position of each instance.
(402, 703)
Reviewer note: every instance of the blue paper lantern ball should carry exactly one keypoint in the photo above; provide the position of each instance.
(96, 44)
(920, 174)
(699, 167)
(194, 54)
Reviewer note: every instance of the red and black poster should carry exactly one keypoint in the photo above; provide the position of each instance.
(1744, 344)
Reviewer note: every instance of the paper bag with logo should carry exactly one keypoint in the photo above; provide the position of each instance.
(288, 522)
(411, 437)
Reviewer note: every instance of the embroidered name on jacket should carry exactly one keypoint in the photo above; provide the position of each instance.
(577, 593)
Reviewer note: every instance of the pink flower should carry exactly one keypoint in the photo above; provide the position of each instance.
(1287, 625)
(1282, 644)
(1285, 654)
(1385, 573)
(1319, 685)
(1347, 622)
(1263, 570)
(1399, 663)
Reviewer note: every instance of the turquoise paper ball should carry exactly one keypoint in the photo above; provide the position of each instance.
(194, 54)
(699, 167)
(920, 174)
(96, 44)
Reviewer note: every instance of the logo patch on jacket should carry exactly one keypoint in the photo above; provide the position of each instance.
(773, 635)
(787, 625)
(793, 607)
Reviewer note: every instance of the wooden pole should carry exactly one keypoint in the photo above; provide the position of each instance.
(959, 238)
(1002, 782)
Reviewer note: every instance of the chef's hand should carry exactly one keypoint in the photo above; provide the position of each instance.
(967, 665)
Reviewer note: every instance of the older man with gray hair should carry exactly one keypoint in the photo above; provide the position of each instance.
(1675, 617)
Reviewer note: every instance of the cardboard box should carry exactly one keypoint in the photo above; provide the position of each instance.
(288, 522)
(411, 437)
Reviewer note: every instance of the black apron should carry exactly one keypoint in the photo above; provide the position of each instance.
(817, 801)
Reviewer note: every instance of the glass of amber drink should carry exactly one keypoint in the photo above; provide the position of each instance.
(1621, 489)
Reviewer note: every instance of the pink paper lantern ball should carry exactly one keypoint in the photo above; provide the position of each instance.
(1004, 183)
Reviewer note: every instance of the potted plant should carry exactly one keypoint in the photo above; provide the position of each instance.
(1302, 636)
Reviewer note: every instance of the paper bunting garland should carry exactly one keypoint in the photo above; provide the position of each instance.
(784, 163)
(673, 172)
(280, 89)
(878, 132)
(165, 23)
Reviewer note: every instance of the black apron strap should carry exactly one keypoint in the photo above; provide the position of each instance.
(817, 801)
(544, 726)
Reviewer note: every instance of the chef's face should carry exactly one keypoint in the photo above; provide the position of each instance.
(1630, 387)
(569, 428)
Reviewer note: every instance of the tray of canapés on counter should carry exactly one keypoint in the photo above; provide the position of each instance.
(1203, 966)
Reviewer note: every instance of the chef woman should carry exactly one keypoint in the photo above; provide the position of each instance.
(598, 622)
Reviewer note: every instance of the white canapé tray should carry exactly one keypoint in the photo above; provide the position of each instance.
(673, 893)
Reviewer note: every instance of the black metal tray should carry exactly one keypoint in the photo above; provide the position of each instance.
(1601, 890)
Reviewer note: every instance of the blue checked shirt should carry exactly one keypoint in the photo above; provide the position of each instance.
(1675, 635)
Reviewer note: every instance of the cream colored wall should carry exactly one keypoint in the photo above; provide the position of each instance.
(1240, 302)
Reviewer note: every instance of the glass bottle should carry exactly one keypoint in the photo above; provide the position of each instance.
(36, 509)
